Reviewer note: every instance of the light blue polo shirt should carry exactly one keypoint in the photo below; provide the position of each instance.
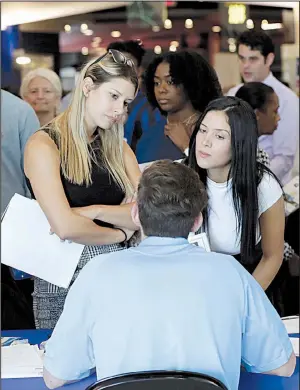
(18, 123)
(166, 305)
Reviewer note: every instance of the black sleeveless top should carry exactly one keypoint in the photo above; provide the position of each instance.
(103, 190)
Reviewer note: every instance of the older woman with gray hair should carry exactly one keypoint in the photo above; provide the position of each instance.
(42, 89)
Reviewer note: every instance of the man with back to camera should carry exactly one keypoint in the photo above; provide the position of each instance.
(167, 304)
(256, 55)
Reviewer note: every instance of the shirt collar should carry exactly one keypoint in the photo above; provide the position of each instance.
(163, 241)
(163, 246)
(268, 79)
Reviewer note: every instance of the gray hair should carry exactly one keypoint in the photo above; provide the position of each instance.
(47, 74)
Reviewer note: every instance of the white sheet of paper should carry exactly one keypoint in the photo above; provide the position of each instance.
(27, 245)
(199, 240)
(21, 361)
(291, 325)
(295, 344)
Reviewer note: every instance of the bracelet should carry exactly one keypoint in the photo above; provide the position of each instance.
(124, 235)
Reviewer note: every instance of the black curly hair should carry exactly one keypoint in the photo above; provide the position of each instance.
(192, 71)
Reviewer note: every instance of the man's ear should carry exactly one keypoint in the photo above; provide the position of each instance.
(135, 214)
(88, 85)
(270, 59)
(197, 223)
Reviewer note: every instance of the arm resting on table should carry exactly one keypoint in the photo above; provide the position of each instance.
(53, 383)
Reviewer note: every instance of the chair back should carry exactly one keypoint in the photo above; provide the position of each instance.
(159, 380)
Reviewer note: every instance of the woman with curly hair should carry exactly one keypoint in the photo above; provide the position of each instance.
(180, 85)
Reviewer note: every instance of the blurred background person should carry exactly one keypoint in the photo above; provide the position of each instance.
(265, 104)
(256, 55)
(18, 123)
(42, 89)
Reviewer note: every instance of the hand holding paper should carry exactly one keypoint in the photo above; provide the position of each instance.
(28, 246)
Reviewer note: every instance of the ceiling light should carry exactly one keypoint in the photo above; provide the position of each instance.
(172, 48)
(271, 26)
(188, 23)
(232, 47)
(216, 29)
(249, 24)
(23, 60)
(115, 34)
(88, 32)
(155, 28)
(67, 28)
(85, 51)
(237, 13)
(157, 49)
(174, 43)
(231, 41)
(168, 24)
(83, 27)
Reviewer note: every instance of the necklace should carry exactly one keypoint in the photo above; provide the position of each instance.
(188, 120)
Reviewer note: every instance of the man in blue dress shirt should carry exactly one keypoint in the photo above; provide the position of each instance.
(167, 304)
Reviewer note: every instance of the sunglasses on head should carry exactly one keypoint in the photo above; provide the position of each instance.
(117, 56)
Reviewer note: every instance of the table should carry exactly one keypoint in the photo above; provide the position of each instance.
(248, 381)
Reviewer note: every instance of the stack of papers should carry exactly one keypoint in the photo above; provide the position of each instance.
(291, 324)
(6, 341)
(27, 245)
(21, 361)
(295, 344)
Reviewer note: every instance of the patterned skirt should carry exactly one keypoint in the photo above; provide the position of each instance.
(48, 299)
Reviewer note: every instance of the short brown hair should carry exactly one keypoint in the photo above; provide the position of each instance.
(170, 197)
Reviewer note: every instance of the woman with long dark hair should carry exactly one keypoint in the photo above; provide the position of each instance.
(245, 214)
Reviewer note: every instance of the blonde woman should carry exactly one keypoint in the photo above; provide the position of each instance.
(42, 89)
(80, 170)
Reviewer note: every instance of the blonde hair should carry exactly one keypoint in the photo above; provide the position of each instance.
(70, 133)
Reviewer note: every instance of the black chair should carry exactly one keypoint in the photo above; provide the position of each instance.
(159, 380)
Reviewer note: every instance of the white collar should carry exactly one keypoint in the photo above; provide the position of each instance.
(269, 78)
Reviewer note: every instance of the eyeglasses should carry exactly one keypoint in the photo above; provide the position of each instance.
(117, 56)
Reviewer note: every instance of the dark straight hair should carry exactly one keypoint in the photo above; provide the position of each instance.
(256, 94)
(245, 171)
